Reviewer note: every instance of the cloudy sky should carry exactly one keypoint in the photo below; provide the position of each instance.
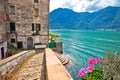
(83, 5)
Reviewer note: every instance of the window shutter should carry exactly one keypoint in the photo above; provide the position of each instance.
(35, 1)
(12, 26)
(39, 27)
(32, 26)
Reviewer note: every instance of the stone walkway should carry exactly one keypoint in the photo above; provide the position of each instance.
(32, 69)
(55, 69)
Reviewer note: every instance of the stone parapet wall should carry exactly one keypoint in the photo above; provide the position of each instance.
(59, 47)
(7, 65)
(54, 68)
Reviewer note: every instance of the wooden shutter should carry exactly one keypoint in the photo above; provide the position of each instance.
(32, 26)
(12, 26)
(39, 27)
(35, 1)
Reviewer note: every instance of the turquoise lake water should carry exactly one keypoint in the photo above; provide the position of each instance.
(80, 45)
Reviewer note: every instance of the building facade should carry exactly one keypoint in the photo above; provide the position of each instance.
(4, 28)
(29, 23)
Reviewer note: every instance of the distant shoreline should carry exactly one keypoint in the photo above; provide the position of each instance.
(90, 29)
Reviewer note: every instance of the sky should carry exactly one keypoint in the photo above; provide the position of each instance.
(83, 5)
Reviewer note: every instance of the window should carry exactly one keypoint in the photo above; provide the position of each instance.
(12, 27)
(12, 10)
(12, 40)
(35, 1)
(19, 44)
(36, 13)
(32, 26)
(36, 27)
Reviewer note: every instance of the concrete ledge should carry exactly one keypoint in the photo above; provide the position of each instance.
(40, 46)
(7, 65)
(55, 69)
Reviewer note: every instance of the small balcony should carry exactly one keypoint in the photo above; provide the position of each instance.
(35, 33)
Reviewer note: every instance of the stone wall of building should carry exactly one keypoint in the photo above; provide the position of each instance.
(4, 28)
(24, 17)
(4, 18)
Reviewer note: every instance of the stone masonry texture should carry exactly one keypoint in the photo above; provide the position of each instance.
(24, 17)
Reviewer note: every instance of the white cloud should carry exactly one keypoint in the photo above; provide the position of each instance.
(82, 5)
(104, 3)
(56, 4)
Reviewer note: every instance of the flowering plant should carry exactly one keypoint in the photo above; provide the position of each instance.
(90, 72)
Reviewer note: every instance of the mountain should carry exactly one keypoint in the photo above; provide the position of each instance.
(107, 18)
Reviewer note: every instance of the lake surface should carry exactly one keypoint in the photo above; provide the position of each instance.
(81, 45)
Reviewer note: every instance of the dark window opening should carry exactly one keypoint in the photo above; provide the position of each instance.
(19, 44)
(35, 1)
(32, 26)
(12, 27)
(12, 40)
(2, 52)
(36, 27)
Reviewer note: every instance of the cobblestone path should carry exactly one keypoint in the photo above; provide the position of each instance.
(32, 69)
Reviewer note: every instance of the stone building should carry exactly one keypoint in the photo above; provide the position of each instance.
(4, 28)
(29, 23)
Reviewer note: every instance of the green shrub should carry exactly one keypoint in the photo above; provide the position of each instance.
(95, 75)
(111, 66)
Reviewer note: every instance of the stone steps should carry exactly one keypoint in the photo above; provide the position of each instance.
(63, 59)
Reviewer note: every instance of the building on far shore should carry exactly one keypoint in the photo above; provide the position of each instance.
(4, 29)
(29, 23)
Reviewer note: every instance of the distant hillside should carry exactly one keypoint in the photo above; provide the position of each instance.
(107, 18)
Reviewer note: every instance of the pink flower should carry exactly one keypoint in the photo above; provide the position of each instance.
(93, 61)
(82, 72)
(97, 60)
(90, 68)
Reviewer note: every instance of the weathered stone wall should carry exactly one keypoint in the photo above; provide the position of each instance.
(4, 23)
(9, 64)
(45, 19)
(24, 17)
(59, 47)
(2, 5)
(4, 28)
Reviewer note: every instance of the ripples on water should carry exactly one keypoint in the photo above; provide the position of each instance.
(82, 45)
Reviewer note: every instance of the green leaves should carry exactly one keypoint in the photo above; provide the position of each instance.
(95, 75)
(54, 36)
(110, 69)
